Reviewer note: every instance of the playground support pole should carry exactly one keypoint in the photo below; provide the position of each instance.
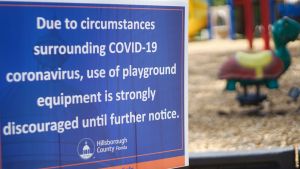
(209, 3)
(249, 21)
(265, 16)
(232, 19)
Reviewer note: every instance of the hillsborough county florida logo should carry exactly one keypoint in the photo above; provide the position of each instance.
(86, 148)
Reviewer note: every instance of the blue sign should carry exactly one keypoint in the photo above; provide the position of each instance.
(91, 85)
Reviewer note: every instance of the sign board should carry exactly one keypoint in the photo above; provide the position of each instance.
(89, 85)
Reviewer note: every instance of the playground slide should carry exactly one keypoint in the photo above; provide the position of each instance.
(197, 16)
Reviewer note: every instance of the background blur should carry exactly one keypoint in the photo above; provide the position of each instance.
(218, 29)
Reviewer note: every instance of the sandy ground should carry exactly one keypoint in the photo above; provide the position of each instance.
(218, 123)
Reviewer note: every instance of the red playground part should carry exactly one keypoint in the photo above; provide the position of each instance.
(265, 19)
(249, 23)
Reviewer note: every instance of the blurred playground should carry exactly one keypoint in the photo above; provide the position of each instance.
(236, 19)
(218, 29)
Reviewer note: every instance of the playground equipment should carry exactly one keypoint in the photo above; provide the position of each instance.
(263, 68)
(294, 93)
(197, 17)
(289, 9)
(219, 21)
(248, 18)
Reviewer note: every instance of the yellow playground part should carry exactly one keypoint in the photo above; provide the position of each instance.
(197, 16)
